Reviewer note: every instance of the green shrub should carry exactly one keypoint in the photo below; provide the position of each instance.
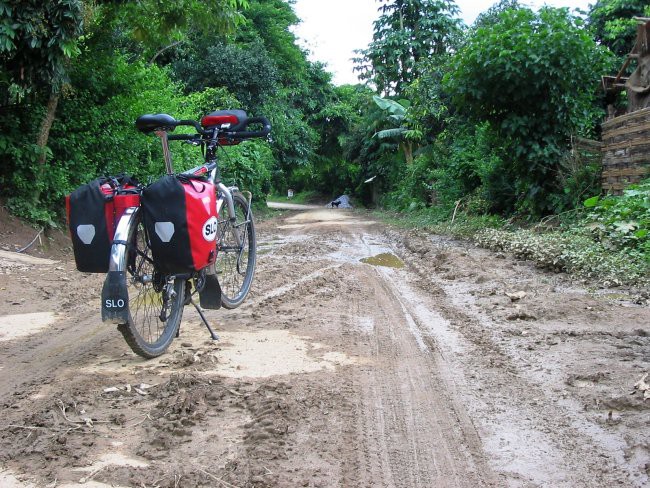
(622, 221)
(530, 75)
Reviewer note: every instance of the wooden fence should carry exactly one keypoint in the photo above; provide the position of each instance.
(626, 150)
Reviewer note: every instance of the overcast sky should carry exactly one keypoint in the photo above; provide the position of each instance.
(331, 30)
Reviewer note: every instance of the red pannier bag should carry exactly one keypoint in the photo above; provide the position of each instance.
(93, 211)
(180, 217)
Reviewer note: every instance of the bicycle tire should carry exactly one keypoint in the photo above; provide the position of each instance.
(147, 332)
(235, 263)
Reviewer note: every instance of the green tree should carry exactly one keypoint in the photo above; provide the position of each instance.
(37, 41)
(533, 77)
(407, 32)
(151, 27)
(403, 130)
(245, 70)
(491, 15)
(613, 25)
(271, 22)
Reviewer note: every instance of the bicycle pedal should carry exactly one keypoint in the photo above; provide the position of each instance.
(210, 295)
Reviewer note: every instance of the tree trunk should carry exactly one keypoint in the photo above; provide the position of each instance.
(407, 147)
(46, 125)
(43, 136)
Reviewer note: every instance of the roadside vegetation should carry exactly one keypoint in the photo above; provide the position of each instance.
(607, 240)
(471, 124)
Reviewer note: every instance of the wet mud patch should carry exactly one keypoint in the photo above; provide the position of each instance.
(20, 325)
(302, 248)
(313, 294)
(576, 354)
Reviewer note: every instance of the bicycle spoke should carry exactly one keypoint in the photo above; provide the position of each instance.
(150, 307)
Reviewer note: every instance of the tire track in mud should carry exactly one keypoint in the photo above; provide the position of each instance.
(535, 432)
(401, 428)
(404, 430)
(409, 431)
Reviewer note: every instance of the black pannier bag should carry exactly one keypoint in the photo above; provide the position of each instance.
(180, 216)
(93, 210)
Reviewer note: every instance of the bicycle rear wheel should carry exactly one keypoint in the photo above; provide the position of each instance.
(156, 300)
(236, 257)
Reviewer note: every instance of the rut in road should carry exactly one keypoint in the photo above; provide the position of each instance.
(406, 427)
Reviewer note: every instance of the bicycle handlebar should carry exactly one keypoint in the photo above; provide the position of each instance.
(251, 134)
(181, 137)
(148, 123)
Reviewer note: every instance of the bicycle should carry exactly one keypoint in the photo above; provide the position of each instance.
(143, 300)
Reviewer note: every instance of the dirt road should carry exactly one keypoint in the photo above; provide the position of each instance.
(364, 357)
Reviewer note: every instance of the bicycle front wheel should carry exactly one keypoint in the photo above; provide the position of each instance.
(156, 300)
(235, 263)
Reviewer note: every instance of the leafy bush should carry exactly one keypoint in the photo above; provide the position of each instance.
(579, 175)
(622, 221)
(531, 76)
(460, 165)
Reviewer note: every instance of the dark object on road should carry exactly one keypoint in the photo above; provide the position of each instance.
(341, 202)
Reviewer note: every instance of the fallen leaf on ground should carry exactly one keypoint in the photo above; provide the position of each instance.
(517, 295)
(641, 385)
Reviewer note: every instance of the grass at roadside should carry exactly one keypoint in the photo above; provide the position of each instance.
(572, 247)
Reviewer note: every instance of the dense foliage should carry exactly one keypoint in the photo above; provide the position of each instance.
(612, 23)
(623, 221)
(513, 75)
(453, 120)
(75, 76)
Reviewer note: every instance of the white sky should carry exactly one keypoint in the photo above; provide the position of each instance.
(332, 29)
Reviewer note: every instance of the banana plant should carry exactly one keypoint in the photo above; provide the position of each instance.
(406, 131)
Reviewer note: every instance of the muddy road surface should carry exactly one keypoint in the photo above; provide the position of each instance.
(365, 357)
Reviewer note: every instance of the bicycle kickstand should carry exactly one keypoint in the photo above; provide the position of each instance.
(215, 337)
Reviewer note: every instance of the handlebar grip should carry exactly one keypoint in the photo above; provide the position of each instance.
(251, 134)
(181, 137)
(192, 123)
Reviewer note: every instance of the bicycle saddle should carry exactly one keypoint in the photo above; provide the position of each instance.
(234, 120)
(150, 122)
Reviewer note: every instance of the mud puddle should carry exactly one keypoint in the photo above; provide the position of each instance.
(385, 259)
